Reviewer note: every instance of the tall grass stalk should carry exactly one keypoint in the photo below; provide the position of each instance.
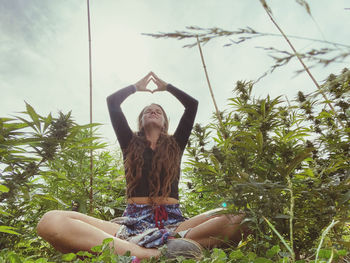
(269, 13)
(324, 234)
(91, 194)
(282, 239)
(291, 214)
(331, 257)
(210, 88)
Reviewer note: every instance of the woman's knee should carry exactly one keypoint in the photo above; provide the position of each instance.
(229, 220)
(49, 223)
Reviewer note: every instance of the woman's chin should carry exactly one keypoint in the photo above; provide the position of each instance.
(152, 125)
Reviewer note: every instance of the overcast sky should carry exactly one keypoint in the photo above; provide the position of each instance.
(44, 53)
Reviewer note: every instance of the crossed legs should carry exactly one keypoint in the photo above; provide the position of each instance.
(213, 230)
(69, 231)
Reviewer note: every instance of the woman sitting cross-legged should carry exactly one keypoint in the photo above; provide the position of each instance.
(152, 217)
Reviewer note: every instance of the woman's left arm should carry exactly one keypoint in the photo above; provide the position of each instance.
(184, 128)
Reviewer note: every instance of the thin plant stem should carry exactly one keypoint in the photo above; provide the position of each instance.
(281, 238)
(90, 78)
(324, 234)
(302, 63)
(209, 85)
(331, 257)
(291, 214)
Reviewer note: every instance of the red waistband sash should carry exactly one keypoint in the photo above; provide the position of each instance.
(160, 214)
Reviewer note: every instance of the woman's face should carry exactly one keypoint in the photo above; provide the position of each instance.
(153, 115)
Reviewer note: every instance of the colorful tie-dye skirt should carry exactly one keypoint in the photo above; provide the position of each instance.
(149, 226)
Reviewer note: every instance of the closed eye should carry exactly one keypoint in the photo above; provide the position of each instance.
(159, 112)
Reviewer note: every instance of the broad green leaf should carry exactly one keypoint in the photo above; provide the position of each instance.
(14, 258)
(325, 253)
(39, 260)
(4, 188)
(47, 121)
(107, 241)
(34, 116)
(97, 248)
(262, 260)
(263, 108)
(51, 198)
(22, 141)
(4, 213)
(94, 147)
(61, 176)
(218, 256)
(259, 140)
(236, 254)
(346, 197)
(251, 256)
(13, 126)
(29, 123)
(84, 254)
(189, 261)
(8, 229)
(87, 126)
(272, 251)
(69, 257)
(342, 252)
(309, 172)
(297, 160)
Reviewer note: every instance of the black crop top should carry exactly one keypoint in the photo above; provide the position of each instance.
(124, 133)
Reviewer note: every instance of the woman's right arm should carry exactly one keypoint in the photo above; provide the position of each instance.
(119, 122)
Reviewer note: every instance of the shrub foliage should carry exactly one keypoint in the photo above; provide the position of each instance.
(287, 162)
(45, 165)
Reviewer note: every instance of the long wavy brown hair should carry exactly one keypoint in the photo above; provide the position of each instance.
(166, 160)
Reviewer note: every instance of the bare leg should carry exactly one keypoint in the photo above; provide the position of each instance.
(212, 230)
(71, 231)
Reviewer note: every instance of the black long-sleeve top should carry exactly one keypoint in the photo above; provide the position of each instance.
(124, 133)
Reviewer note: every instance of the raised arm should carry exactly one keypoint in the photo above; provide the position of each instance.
(119, 122)
(184, 128)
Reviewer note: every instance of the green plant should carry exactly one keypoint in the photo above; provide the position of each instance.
(45, 166)
(288, 163)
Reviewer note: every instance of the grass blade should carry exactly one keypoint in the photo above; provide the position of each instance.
(280, 237)
(332, 224)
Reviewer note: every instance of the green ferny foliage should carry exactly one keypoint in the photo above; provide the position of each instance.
(288, 163)
(44, 164)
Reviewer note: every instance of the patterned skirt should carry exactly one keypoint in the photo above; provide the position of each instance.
(149, 226)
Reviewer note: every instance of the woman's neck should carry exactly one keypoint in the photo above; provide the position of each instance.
(152, 135)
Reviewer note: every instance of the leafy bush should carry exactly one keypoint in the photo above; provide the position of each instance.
(288, 163)
(45, 165)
